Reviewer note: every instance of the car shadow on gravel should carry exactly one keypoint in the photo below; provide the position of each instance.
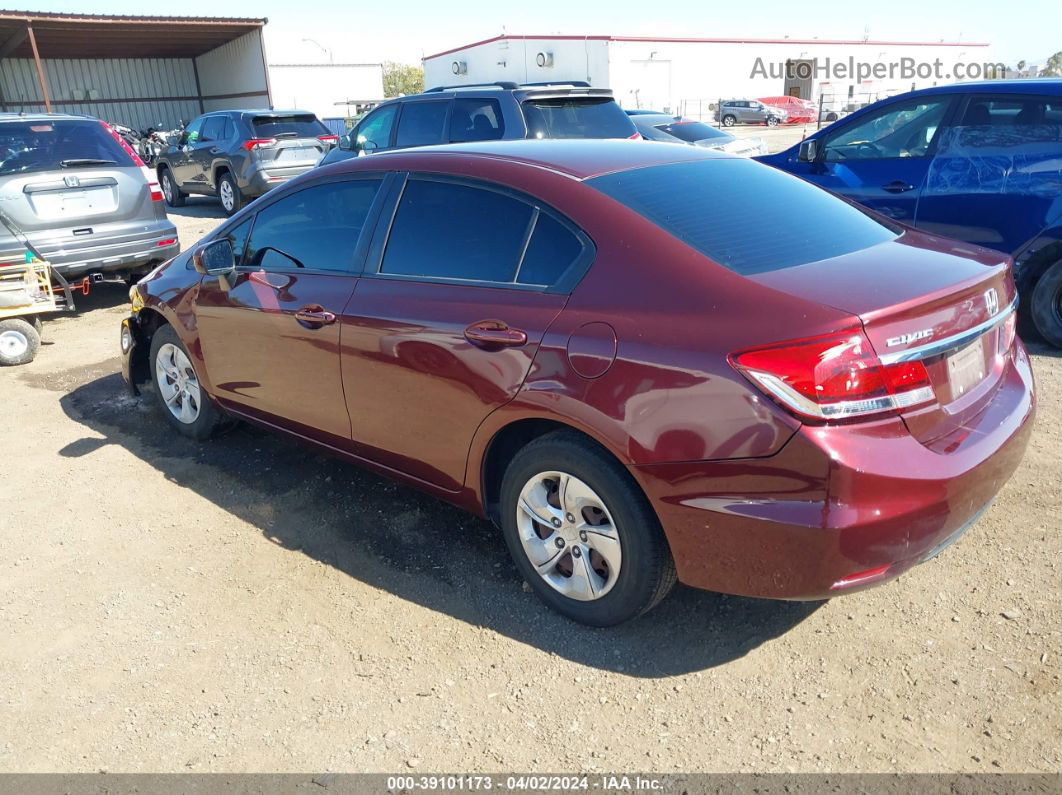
(198, 207)
(407, 543)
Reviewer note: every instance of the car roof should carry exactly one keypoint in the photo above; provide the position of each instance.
(43, 117)
(577, 158)
(1035, 85)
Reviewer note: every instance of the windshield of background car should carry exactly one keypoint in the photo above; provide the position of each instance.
(27, 146)
(303, 125)
(743, 215)
(568, 117)
(693, 131)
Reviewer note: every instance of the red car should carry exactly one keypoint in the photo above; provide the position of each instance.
(799, 110)
(776, 394)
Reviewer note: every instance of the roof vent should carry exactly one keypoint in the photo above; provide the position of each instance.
(544, 60)
(459, 67)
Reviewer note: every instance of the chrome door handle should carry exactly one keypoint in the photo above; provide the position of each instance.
(495, 334)
(315, 317)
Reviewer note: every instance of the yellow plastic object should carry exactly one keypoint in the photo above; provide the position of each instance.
(26, 289)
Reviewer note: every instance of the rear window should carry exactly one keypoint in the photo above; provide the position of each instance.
(300, 125)
(693, 131)
(27, 146)
(746, 216)
(568, 117)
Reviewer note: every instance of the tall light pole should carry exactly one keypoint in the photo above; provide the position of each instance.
(317, 43)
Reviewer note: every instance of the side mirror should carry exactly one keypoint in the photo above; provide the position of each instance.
(346, 142)
(215, 259)
(366, 147)
(809, 151)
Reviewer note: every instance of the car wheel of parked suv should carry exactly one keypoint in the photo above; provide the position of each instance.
(582, 533)
(229, 193)
(728, 120)
(19, 341)
(772, 121)
(187, 407)
(174, 196)
(1047, 305)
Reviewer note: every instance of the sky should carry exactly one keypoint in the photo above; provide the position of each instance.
(356, 31)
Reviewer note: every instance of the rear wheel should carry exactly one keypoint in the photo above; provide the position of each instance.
(174, 196)
(1046, 305)
(772, 121)
(729, 120)
(181, 397)
(19, 341)
(229, 194)
(581, 532)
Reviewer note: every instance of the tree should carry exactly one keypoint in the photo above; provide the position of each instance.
(1053, 67)
(401, 78)
(1021, 66)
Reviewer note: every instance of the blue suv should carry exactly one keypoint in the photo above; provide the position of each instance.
(981, 162)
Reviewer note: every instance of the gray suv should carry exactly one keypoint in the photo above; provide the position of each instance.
(80, 196)
(237, 155)
(749, 111)
(487, 112)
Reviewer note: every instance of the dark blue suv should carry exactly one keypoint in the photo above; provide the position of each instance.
(981, 162)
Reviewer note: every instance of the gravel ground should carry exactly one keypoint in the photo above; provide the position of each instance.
(248, 604)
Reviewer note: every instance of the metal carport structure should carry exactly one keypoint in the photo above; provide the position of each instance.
(136, 70)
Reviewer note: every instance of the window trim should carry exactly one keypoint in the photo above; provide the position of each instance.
(564, 285)
(951, 105)
(361, 248)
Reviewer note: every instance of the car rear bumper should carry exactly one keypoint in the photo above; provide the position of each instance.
(79, 256)
(839, 508)
(262, 180)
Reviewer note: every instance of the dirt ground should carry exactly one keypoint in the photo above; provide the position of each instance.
(250, 605)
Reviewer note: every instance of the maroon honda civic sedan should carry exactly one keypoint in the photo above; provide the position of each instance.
(641, 362)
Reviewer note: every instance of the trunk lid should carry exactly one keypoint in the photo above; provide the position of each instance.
(927, 299)
(300, 139)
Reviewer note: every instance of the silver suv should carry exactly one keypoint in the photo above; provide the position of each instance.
(77, 192)
(749, 111)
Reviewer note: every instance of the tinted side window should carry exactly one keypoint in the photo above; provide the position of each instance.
(238, 237)
(192, 131)
(552, 248)
(905, 129)
(213, 129)
(449, 231)
(476, 120)
(315, 228)
(374, 132)
(421, 123)
(229, 130)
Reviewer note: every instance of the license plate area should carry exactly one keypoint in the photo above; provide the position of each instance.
(298, 154)
(966, 368)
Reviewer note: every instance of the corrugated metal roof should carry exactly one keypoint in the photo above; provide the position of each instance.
(72, 35)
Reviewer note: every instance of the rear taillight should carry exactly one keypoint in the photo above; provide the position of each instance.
(835, 377)
(1008, 331)
(258, 143)
(153, 186)
(122, 143)
(328, 139)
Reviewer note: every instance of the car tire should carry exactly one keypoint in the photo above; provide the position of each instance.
(772, 121)
(183, 401)
(626, 563)
(1046, 305)
(174, 195)
(19, 341)
(229, 194)
(729, 120)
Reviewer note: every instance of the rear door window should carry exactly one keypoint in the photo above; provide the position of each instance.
(422, 123)
(476, 120)
(297, 125)
(317, 228)
(743, 215)
(213, 129)
(53, 144)
(569, 117)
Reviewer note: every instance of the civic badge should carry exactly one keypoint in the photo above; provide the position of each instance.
(992, 301)
(72, 182)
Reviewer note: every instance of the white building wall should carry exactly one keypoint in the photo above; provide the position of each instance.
(686, 76)
(235, 74)
(325, 88)
(516, 60)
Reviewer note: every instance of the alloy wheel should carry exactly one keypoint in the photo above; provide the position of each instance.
(167, 188)
(568, 535)
(178, 384)
(227, 197)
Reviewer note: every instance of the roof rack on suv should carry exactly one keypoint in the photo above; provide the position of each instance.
(506, 84)
(579, 83)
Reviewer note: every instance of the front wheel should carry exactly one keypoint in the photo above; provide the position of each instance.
(1046, 305)
(19, 341)
(582, 533)
(728, 120)
(182, 399)
(772, 121)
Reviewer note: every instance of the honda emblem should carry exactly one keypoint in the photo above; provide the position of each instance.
(72, 182)
(992, 301)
